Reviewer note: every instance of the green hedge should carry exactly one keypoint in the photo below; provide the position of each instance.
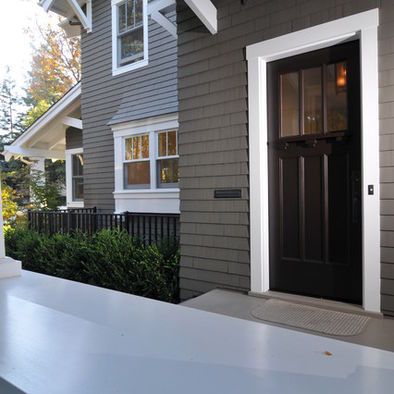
(110, 259)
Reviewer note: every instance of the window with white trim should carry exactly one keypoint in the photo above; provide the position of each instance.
(167, 159)
(77, 177)
(136, 166)
(150, 160)
(129, 35)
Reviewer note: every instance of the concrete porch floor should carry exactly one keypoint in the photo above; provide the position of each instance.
(379, 332)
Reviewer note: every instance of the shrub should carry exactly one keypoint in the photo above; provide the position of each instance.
(110, 259)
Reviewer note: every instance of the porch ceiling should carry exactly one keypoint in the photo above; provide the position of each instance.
(46, 137)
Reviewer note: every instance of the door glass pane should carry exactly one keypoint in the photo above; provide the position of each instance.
(289, 104)
(312, 101)
(137, 175)
(336, 97)
(172, 151)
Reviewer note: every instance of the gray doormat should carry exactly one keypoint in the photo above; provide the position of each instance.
(311, 318)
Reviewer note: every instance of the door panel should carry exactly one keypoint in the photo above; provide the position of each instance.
(313, 195)
(314, 174)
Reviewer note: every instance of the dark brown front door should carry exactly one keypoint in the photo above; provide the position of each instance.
(314, 174)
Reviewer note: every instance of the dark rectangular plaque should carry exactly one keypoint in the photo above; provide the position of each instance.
(228, 193)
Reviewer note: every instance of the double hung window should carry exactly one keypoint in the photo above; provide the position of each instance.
(129, 25)
(150, 160)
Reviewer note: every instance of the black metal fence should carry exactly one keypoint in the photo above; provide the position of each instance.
(148, 227)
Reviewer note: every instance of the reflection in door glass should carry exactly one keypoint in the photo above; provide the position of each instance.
(336, 97)
(289, 104)
(312, 101)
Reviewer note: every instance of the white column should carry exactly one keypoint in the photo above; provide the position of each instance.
(8, 266)
(38, 164)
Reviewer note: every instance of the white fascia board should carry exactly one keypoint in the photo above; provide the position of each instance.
(206, 12)
(50, 115)
(158, 17)
(10, 150)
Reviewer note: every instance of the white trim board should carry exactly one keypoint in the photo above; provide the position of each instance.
(69, 179)
(364, 27)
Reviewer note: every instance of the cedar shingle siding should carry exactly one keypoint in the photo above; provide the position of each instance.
(73, 138)
(145, 92)
(213, 136)
(386, 111)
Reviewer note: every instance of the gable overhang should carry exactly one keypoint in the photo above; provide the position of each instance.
(206, 12)
(46, 136)
(72, 10)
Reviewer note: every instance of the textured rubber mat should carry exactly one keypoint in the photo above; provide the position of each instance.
(311, 318)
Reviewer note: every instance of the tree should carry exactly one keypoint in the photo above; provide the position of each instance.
(45, 193)
(10, 114)
(10, 207)
(55, 68)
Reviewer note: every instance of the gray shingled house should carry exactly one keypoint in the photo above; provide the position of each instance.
(282, 114)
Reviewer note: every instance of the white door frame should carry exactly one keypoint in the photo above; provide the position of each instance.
(362, 26)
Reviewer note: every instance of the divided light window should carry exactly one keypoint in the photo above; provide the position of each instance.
(314, 100)
(167, 162)
(130, 40)
(77, 177)
(137, 162)
(151, 160)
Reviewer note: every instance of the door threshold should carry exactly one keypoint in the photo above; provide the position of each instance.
(316, 302)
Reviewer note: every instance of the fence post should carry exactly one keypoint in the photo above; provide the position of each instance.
(29, 219)
(127, 221)
(68, 220)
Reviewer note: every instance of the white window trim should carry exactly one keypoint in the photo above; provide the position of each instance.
(69, 179)
(365, 27)
(151, 126)
(117, 69)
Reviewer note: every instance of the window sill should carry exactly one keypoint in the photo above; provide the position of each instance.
(147, 193)
(130, 67)
(75, 204)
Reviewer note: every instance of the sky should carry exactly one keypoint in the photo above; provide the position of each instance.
(15, 45)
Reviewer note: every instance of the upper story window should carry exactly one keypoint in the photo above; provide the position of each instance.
(129, 35)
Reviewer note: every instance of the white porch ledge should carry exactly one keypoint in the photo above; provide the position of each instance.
(66, 337)
(9, 267)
